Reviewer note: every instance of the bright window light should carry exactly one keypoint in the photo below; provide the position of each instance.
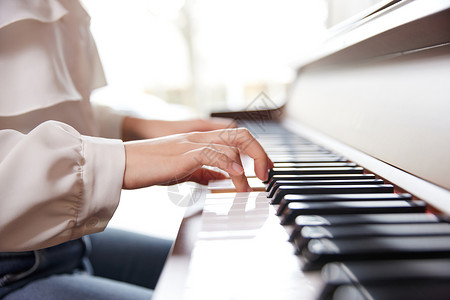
(203, 54)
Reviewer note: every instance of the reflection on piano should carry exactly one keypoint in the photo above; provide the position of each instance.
(356, 206)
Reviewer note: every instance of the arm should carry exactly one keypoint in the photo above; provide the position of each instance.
(56, 185)
(137, 128)
(114, 124)
(179, 158)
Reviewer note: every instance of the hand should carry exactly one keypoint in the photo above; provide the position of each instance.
(179, 158)
(137, 129)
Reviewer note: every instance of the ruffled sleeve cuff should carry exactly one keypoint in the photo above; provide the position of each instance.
(56, 185)
(102, 177)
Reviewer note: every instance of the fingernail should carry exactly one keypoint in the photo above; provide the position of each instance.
(237, 168)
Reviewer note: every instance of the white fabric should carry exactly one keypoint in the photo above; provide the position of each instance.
(56, 185)
(109, 121)
(46, 51)
(15, 10)
(57, 182)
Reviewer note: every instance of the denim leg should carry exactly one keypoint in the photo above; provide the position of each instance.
(128, 257)
(79, 286)
(20, 268)
(115, 254)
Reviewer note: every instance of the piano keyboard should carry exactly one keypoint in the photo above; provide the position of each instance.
(321, 227)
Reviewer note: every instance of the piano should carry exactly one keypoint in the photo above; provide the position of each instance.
(357, 204)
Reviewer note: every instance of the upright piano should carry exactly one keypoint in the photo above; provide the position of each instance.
(358, 201)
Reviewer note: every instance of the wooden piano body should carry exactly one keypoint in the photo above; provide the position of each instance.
(377, 93)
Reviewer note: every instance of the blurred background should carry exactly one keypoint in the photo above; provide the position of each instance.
(176, 59)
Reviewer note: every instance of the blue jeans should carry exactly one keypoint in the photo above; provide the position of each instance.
(113, 264)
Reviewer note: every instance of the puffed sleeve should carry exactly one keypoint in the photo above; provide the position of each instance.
(56, 185)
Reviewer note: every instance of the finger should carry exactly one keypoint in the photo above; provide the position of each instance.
(214, 158)
(233, 154)
(244, 141)
(230, 151)
(270, 163)
(241, 183)
(203, 176)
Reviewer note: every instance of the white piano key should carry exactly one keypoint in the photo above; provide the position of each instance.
(229, 256)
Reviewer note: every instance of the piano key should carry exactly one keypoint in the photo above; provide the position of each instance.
(305, 159)
(287, 144)
(296, 148)
(301, 151)
(313, 164)
(311, 171)
(303, 154)
(288, 141)
(275, 178)
(383, 272)
(321, 251)
(330, 189)
(288, 157)
(227, 186)
(349, 207)
(357, 219)
(272, 140)
(279, 183)
(417, 290)
(309, 233)
(299, 154)
(339, 197)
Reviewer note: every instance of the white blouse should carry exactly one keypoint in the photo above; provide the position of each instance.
(57, 180)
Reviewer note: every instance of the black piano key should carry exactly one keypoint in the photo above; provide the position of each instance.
(302, 154)
(320, 182)
(297, 148)
(313, 164)
(276, 140)
(295, 153)
(305, 159)
(418, 290)
(349, 207)
(357, 219)
(383, 272)
(330, 189)
(321, 251)
(281, 138)
(309, 233)
(275, 178)
(339, 197)
(315, 171)
(289, 142)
